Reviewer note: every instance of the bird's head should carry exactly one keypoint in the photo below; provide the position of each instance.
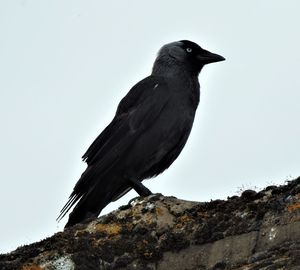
(186, 54)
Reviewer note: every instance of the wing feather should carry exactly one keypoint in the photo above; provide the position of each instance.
(136, 112)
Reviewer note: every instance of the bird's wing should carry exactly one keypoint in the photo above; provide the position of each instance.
(139, 92)
(138, 95)
(137, 111)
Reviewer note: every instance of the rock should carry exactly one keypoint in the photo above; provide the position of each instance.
(255, 231)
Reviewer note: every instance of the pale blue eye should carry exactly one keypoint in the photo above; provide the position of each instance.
(189, 50)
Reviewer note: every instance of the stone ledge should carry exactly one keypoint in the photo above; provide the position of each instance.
(254, 231)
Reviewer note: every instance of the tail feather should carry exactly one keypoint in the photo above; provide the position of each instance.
(72, 200)
(91, 204)
(94, 179)
(102, 181)
(81, 212)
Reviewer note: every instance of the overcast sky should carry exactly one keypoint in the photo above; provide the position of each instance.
(65, 65)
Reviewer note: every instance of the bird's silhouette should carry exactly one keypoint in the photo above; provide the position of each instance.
(149, 130)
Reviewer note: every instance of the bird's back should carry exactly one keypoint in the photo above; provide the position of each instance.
(160, 146)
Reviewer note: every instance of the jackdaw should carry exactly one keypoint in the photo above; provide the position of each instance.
(150, 128)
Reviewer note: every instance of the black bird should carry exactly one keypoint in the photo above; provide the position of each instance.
(150, 128)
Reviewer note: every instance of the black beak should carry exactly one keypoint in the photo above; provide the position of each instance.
(207, 57)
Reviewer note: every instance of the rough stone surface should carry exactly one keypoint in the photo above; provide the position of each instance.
(254, 231)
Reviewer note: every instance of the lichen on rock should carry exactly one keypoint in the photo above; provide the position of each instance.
(258, 230)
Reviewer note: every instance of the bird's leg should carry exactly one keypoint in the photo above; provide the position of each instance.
(139, 187)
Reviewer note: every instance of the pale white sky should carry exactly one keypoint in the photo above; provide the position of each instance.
(65, 65)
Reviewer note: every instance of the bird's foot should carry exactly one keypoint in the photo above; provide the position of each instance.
(139, 188)
(140, 199)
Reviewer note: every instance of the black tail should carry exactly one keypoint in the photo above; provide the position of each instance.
(90, 204)
(103, 180)
(86, 209)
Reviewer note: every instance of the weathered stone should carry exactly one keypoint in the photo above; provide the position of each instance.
(255, 231)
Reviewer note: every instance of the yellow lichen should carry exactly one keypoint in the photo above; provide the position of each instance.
(110, 229)
(148, 254)
(184, 219)
(179, 226)
(158, 211)
(293, 207)
(31, 266)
